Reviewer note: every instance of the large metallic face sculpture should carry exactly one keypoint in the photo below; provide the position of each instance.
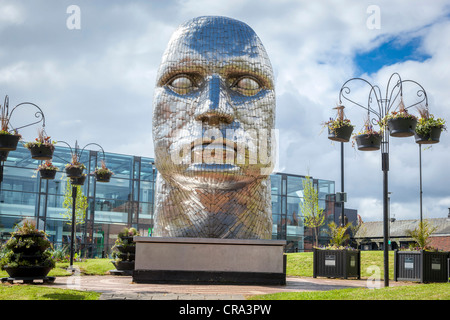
(214, 113)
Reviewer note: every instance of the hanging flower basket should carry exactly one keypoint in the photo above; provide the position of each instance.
(8, 141)
(47, 170)
(79, 181)
(340, 134)
(402, 126)
(42, 152)
(432, 137)
(74, 171)
(47, 174)
(368, 142)
(428, 129)
(42, 148)
(399, 123)
(103, 177)
(339, 129)
(103, 174)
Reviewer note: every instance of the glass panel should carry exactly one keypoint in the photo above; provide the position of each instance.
(147, 166)
(112, 211)
(137, 162)
(275, 182)
(146, 213)
(17, 203)
(295, 186)
(326, 187)
(19, 179)
(117, 189)
(146, 191)
(276, 204)
(276, 227)
(293, 211)
(121, 165)
(21, 158)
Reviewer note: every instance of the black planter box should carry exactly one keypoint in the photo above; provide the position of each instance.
(421, 266)
(337, 263)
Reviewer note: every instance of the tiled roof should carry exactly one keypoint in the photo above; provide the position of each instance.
(374, 229)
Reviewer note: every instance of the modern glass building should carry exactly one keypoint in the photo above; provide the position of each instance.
(126, 201)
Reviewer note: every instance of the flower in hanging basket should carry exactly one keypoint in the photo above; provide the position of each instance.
(399, 123)
(368, 139)
(428, 129)
(47, 170)
(339, 129)
(103, 174)
(42, 148)
(8, 140)
(75, 168)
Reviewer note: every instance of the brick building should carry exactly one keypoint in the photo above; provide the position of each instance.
(370, 234)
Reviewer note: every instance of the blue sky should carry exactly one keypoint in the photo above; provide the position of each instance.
(95, 83)
(389, 53)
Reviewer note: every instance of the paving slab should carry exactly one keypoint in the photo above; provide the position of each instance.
(115, 287)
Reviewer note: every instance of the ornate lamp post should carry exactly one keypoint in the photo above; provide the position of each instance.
(379, 110)
(74, 170)
(9, 136)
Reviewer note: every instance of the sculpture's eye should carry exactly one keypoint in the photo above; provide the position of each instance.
(182, 84)
(247, 86)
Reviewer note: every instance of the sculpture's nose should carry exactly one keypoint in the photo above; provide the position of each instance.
(214, 105)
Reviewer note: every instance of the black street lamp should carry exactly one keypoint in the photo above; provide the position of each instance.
(74, 170)
(378, 111)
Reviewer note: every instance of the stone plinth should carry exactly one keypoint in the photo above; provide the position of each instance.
(206, 260)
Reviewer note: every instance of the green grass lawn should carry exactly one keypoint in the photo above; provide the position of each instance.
(88, 267)
(301, 264)
(431, 291)
(39, 292)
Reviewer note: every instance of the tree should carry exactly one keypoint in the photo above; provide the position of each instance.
(81, 204)
(338, 234)
(422, 233)
(312, 213)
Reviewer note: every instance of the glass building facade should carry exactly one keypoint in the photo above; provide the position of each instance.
(125, 201)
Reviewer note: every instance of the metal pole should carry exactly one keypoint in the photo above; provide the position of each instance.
(74, 199)
(385, 167)
(420, 170)
(342, 184)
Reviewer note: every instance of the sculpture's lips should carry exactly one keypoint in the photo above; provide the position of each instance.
(217, 144)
